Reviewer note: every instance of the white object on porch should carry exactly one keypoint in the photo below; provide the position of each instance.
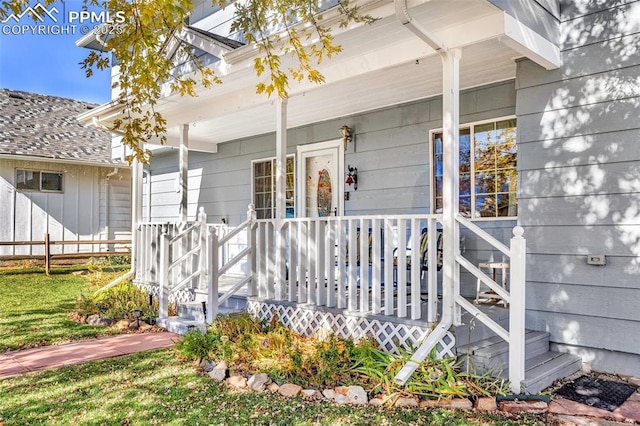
(488, 296)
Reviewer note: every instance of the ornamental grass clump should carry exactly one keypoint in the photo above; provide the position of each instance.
(117, 302)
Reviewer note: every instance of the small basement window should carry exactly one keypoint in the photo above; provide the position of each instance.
(37, 180)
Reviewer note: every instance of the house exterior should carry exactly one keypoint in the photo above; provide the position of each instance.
(487, 120)
(57, 177)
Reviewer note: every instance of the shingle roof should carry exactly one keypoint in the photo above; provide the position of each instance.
(45, 126)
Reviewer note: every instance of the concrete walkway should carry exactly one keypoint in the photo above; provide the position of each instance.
(49, 357)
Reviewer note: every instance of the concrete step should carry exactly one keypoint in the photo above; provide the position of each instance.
(492, 354)
(180, 325)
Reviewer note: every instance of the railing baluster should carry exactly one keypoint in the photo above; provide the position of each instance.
(342, 258)
(364, 265)
(389, 266)
(293, 257)
(321, 293)
(376, 268)
(353, 267)
(270, 254)
(311, 261)
(402, 268)
(330, 262)
(302, 263)
(432, 271)
(416, 268)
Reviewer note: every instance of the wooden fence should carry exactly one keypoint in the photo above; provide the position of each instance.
(48, 256)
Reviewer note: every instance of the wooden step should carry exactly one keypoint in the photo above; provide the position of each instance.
(492, 354)
(542, 370)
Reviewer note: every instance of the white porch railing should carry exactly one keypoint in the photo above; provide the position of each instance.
(515, 297)
(366, 264)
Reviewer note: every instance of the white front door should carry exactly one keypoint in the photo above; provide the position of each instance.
(320, 189)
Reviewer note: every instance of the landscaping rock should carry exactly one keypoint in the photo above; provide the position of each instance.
(449, 404)
(122, 325)
(515, 407)
(238, 382)
(273, 387)
(104, 322)
(144, 327)
(258, 382)
(289, 390)
(219, 372)
(311, 394)
(377, 401)
(406, 401)
(93, 319)
(83, 272)
(330, 394)
(209, 366)
(485, 404)
(357, 395)
(341, 390)
(341, 399)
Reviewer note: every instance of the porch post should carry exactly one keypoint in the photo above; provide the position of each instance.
(281, 195)
(184, 172)
(136, 210)
(450, 180)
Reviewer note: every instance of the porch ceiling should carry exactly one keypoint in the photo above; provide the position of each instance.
(381, 65)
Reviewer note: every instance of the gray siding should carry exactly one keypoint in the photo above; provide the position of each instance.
(78, 213)
(578, 158)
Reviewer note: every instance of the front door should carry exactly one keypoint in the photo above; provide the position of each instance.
(321, 189)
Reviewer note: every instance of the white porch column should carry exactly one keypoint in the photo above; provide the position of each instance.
(450, 180)
(136, 209)
(184, 172)
(281, 194)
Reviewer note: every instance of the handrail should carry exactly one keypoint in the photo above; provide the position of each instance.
(427, 216)
(484, 235)
(184, 256)
(238, 257)
(183, 233)
(234, 232)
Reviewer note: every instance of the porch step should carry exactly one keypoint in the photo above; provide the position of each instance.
(542, 367)
(180, 325)
(191, 315)
(541, 371)
(492, 354)
(473, 330)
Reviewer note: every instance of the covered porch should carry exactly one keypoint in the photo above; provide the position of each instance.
(367, 266)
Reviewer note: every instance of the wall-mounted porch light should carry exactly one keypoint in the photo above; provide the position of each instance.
(352, 177)
(347, 134)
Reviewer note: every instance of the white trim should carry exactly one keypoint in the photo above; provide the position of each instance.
(40, 172)
(432, 182)
(16, 157)
(295, 183)
(320, 146)
(529, 43)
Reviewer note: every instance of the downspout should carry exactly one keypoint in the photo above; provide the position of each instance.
(447, 320)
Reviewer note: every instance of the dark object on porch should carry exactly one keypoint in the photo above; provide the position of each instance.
(605, 394)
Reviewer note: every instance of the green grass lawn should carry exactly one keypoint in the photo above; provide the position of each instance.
(153, 388)
(33, 309)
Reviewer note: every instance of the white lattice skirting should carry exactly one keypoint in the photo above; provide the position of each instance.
(181, 296)
(307, 321)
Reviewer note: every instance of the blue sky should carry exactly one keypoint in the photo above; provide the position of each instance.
(49, 64)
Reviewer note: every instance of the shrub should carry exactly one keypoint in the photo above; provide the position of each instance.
(194, 345)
